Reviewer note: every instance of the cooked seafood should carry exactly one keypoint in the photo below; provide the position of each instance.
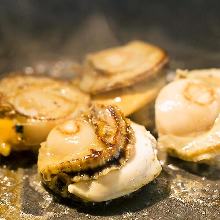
(121, 67)
(132, 98)
(187, 116)
(31, 106)
(98, 156)
(129, 76)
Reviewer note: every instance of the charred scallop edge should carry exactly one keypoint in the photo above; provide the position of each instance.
(101, 161)
(54, 183)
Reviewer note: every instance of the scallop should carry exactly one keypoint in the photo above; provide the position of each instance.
(98, 156)
(187, 116)
(129, 76)
(31, 106)
(121, 66)
(131, 99)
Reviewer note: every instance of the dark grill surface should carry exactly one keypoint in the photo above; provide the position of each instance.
(37, 31)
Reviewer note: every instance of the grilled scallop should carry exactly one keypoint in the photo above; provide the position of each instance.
(129, 76)
(187, 116)
(132, 98)
(121, 67)
(31, 106)
(98, 156)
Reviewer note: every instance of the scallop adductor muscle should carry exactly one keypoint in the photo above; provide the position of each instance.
(98, 156)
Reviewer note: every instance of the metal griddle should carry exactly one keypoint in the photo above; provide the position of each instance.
(35, 31)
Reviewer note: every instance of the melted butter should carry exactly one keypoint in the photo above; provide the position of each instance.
(5, 149)
(8, 136)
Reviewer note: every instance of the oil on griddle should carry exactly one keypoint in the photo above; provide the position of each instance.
(32, 32)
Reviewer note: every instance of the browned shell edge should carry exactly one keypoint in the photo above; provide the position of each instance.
(88, 169)
(59, 182)
(148, 74)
